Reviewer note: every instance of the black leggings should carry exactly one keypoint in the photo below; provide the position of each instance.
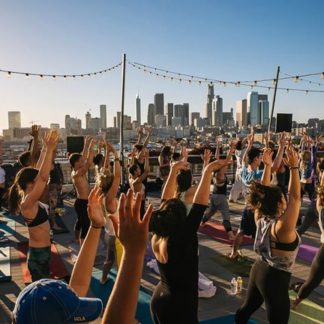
(316, 275)
(83, 222)
(271, 286)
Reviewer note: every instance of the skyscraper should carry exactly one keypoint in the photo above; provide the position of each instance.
(217, 109)
(159, 103)
(194, 115)
(241, 113)
(185, 115)
(253, 111)
(209, 105)
(88, 118)
(151, 114)
(14, 119)
(264, 112)
(103, 116)
(138, 109)
(118, 119)
(169, 113)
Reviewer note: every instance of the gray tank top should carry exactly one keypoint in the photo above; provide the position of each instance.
(262, 246)
(321, 223)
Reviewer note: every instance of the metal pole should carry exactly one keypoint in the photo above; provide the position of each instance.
(274, 99)
(122, 178)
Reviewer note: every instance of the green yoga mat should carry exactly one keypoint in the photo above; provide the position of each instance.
(103, 292)
(307, 312)
(240, 266)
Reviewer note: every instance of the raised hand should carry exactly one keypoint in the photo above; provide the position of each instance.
(179, 165)
(282, 139)
(95, 207)
(292, 158)
(131, 231)
(184, 153)
(35, 131)
(267, 157)
(50, 140)
(206, 156)
(218, 164)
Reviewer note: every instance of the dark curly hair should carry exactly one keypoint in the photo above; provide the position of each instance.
(265, 198)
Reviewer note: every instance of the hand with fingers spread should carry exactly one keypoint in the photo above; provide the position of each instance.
(292, 158)
(267, 157)
(206, 156)
(35, 131)
(179, 165)
(131, 231)
(95, 208)
(50, 140)
(217, 164)
(282, 139)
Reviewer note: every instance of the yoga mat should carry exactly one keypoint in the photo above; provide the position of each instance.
(228, 319)
(240, 266)
(218, 233)
(57, 267)
(306, 312)
(7, 227)
(103, 292)
(307, 252)
(60, 223)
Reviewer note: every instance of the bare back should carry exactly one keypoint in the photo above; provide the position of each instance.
(81, 185)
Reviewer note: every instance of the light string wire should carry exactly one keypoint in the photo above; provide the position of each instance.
(167, 74)
(65, 76)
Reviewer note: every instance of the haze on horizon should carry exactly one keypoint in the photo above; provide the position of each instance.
(227, 40)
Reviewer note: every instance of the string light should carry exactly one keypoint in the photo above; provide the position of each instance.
(8, 74)
(27, 75)
(274, 81)
(322, 75)
(296, 78)
(255, 83)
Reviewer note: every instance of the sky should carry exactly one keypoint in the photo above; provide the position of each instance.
(220, 39)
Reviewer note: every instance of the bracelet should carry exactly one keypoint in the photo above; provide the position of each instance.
(96, 227)
(293, 168)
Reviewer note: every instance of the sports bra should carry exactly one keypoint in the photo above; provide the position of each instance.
(41, 217)
(283, 246)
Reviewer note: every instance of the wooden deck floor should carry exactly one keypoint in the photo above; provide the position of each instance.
(219, 305)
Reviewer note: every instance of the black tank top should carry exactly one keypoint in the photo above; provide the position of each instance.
(41, 217)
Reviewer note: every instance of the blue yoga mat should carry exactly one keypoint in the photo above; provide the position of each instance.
(103, 292)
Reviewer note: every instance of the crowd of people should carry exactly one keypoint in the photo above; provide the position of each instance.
(271, 178)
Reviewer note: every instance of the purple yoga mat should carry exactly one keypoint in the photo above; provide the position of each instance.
(307, 252)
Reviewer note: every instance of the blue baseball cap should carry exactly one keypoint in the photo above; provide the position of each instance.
(52, 302)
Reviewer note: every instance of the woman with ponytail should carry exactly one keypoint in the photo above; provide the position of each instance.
(24, 197)
(276, 242)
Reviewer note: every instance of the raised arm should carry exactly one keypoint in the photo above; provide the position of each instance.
(267, 160)
(147, 139)
(35, 150)
(184, 153)
(278, 159)
(217, 151)
(250, 140)
(82, 270)
(87, 141)
(140, 135)
(112, 193)
(320, 192)
(89, 159)
(50, 143)
(202, 193)
(133, 235)
(206, 157)
(171, 183)
(287, 222)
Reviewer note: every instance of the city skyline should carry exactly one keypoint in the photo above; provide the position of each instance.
(35, 42)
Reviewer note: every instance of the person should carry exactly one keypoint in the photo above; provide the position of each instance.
(24, 197)
(164, 162)
(80, 166)
(137, 177)
(175, 246)
(251, 173)
(2, 182)
(276, 243)
(109, 184)
(218, 200)
(316, 274)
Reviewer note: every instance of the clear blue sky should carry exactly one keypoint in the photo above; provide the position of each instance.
(227, 39)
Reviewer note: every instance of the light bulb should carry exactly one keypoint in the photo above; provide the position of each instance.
(27, 75)
(296, 78)
(322, 75)
(9, 74)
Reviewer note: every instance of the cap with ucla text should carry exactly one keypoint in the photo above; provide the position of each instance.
(52, 301)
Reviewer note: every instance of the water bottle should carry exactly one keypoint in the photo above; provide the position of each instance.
(239, 284)
(233, 286)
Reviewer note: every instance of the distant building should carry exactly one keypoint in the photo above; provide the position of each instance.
(264, 112)
(313, 122)
(185, 116)
(176, 121)
(160, 121)
(200, 122)
(228, 119)
(217, 109)
(241, 113)
(194, 115)
(159, 103)
(127, 122)
(138, 109)
(209, 105)
(87, 119)
(94, 124)
(115, 122)
(253, 111)
(151, 114)
(72, 125)
(118, 119)
(14, 119)
(169, 113)
(55, 126)
(103, 116)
